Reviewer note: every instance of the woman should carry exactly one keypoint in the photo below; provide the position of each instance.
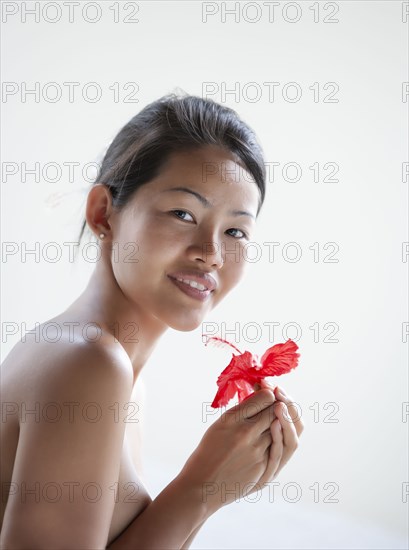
(179, 188)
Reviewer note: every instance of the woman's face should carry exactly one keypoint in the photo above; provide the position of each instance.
(196, 234)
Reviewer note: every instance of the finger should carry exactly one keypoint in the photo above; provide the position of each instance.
(262, 420)
(290, 438)
(294, 412)
(265, 440)
(289, 432)
(263, 384)
(255, 403)
(276, 450)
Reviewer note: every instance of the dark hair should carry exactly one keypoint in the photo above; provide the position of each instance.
(175, 123)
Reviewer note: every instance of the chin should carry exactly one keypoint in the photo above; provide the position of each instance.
(185, 321)
(184, 325)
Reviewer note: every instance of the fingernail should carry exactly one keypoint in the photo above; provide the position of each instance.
(281, 391)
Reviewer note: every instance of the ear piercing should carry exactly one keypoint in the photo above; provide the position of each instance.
(102, 235)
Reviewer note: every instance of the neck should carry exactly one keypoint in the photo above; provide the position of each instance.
(104, 303)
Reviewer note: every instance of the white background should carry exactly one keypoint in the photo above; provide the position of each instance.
(361, 377)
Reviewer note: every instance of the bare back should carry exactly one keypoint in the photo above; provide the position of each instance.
(28, 369)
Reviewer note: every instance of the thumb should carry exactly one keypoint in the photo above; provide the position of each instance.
(263, 384)
(256, 402)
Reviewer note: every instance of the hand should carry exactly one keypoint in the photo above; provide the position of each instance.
(285, 431)
(237, 450)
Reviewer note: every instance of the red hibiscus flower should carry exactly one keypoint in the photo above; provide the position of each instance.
(244, 370)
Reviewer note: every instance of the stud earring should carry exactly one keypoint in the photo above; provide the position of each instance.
(102, 235)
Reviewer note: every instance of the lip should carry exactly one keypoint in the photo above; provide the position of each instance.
(204, 279)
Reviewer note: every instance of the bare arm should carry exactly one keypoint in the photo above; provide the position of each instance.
(69, 452)
(75, 451)
(170, 521)
(189, 541)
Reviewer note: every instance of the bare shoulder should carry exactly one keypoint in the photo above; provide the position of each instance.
(38, 365)
(70, 401)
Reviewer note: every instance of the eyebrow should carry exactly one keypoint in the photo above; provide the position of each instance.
(205, 202)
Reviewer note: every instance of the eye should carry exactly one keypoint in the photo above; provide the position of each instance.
(180, 213)
(177, 212)
(242, 236)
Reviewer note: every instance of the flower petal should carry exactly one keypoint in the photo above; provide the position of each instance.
(242, 373)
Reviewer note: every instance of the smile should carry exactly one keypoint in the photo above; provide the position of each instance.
(194, 284)
(192, 288)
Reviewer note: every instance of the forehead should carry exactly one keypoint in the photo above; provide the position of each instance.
(212, 171)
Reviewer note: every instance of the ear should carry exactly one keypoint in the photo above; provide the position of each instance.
(99, 209)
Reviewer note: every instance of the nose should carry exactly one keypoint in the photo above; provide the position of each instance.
(207, 252)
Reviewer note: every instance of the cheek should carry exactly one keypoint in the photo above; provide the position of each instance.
(150, 243)
(233, 271)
